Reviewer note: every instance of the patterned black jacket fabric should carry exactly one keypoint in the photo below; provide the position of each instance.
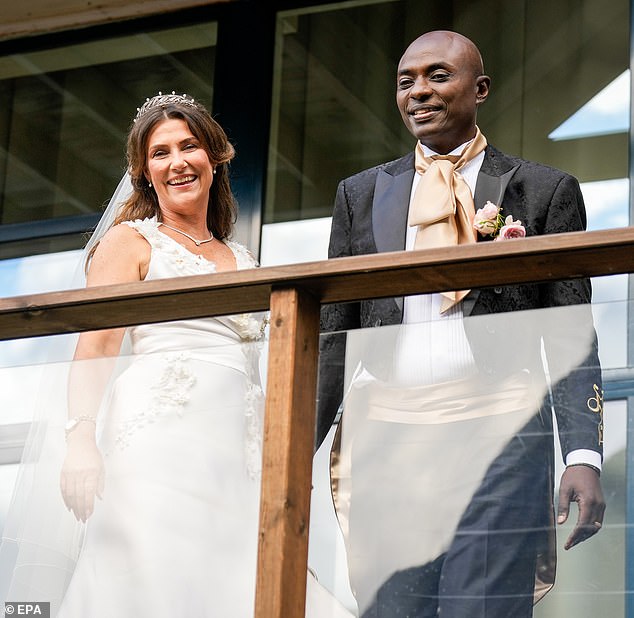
(370, 216)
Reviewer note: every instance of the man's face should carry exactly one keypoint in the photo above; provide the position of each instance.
(439, 87)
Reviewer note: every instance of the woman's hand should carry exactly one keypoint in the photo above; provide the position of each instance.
(122, 256)
(82, 476)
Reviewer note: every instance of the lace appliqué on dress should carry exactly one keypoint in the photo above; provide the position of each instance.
(244, 258)
(251, 329)
(173, 389)
(254, 399)
(174, 386)
(172, 392)
(184, 261)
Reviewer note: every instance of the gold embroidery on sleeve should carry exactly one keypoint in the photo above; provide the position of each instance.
(595, 404)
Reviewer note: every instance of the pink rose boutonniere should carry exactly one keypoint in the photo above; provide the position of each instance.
(488, 221)
(511, 229)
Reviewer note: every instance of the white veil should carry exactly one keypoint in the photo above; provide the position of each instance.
(119, 197)
(41, 538)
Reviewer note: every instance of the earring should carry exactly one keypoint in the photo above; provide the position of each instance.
(214, 170)
(149, 184)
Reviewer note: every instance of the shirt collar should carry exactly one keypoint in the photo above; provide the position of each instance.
(428, 152)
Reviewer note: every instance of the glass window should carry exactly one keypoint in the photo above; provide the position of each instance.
(64, 115)
(334, 112)
(400, 447)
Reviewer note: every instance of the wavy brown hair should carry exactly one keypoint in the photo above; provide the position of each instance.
(143, 203)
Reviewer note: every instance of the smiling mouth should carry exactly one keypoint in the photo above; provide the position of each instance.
(424, 113)
(181, 181)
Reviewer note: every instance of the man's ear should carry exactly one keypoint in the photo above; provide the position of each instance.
(483, 83)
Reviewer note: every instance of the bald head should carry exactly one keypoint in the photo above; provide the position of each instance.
(440, 84)
(452, 41)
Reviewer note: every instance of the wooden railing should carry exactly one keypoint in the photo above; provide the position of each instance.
(294, 295)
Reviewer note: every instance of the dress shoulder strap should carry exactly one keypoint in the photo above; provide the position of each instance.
(244, 257)
(148, 228)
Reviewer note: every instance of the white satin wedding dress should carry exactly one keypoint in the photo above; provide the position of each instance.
(176, 531)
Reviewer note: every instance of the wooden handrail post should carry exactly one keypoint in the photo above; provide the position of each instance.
(289, 431)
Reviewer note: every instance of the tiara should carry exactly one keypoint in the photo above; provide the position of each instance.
(164, 99)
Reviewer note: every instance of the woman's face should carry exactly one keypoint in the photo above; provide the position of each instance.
(178, 167)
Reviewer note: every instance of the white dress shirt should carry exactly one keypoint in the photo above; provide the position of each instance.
(425, 328)
(428, 329)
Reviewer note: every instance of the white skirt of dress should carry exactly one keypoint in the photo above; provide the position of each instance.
(176, 531)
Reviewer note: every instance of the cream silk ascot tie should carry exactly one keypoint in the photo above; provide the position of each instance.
(443, 207)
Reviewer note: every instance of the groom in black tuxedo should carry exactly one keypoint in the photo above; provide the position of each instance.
(440, 85)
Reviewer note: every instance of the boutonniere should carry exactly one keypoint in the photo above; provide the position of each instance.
(488, 221)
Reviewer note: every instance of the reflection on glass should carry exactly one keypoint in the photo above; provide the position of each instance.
(606, 112)
(461, 432)
(333, 108)
(607, 203)
(39, 273)
(292, 242)
(8, 474)
(175, 456)
(424, 450)
(79, 99)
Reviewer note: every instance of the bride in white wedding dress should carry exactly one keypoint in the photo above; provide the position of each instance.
(174, 531)
(163, 466)
(170, 492)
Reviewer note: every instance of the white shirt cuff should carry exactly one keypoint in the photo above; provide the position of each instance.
(584, 455)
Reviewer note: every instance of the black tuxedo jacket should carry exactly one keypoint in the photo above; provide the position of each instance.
(370, 216)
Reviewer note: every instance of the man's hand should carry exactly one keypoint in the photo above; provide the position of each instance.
(581, 484)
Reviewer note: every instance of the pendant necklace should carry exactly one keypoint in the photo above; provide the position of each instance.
(196, 242)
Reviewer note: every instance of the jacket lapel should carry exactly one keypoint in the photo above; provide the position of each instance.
(391, 204)
(494, 176)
